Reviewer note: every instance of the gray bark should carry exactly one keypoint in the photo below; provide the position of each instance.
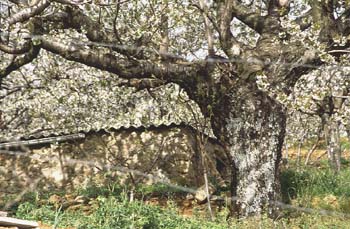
(332, 137)
(254, 129)
(313, 148)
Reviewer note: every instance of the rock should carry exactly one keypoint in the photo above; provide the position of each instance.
(187, 203)
(189, 196)
(69, 197)
(201, 194)
(75, 207)
(217, 198)
(72, 203)
(81, 199)
(223, 184)
(17, 223)
(3, 214)
(55, 200)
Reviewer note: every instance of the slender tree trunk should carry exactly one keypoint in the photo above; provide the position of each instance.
(252, 127)
(164, 30)
(286, 150)
(332, 137)
(313, 148)
(208, 30)
(300, 144)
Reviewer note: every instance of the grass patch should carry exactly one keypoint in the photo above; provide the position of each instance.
(159, 190)
(317, 188)
(109, 206)
(110, 212)
(113, 212)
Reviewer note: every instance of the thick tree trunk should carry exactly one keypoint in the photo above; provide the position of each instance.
(252, 127)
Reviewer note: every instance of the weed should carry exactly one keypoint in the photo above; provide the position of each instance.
(110, 205)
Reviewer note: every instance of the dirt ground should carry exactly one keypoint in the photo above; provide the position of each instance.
(318, 154)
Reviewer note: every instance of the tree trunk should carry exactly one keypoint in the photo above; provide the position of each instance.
(332, 137)
(251, 125)
(313, 148)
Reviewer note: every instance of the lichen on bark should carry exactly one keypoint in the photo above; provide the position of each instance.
(254, 129)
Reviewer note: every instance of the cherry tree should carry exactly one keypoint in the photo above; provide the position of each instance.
(325, 94)
(238, 60)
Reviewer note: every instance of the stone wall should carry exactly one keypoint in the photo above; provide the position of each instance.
(169, 153)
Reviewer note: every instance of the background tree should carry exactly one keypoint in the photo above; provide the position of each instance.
(325, 95)
(265, 47)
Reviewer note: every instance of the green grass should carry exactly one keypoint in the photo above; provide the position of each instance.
(317, 188)
(109, 206)
(113, 212)
(314, 181)
(345, 144)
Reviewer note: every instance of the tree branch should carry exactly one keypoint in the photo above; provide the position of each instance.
(208, 29)
(15, 50)
(164, 30)
(124, 68)
(248, 17)
(225, 15)
(206, 13)
(226, 37)
(322, 15)
(19, 62)
(343, 21)
(17, 2)
(304, 24)
(29, 12)
(95, 32)
(141, 84)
